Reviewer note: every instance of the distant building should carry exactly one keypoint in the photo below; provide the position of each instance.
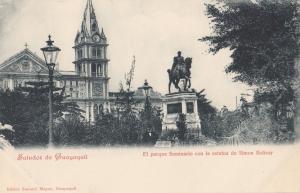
(139, 97)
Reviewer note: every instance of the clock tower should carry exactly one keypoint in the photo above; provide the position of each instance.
(91, 62)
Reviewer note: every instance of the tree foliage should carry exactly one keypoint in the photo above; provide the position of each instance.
(207, 114)
(204, 105)
(151, 123)
(182, 127)
(71, 131)
(262, 37)
(26, 109)
(125, 125)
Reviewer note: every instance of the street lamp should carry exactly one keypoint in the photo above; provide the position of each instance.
(147, 107)
(146, 88)
(50, 53)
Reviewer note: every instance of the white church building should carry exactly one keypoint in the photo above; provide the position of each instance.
(87, 85)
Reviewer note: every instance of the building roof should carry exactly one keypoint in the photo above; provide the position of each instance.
(87, 23)
(153, 94)
(67, 72)
(12, 64)
(138, 94)
(26, 51)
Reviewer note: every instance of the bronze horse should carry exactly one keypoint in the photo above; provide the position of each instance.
(178, 73)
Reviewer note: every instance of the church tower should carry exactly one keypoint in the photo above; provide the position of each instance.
(91, 62)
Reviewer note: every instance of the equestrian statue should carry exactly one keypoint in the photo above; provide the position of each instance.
(180, 71)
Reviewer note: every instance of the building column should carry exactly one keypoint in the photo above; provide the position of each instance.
(183, 106)
(165, 109)
(165, 114)
(103, 90)
(101, 69)
(87, 88)
(196, 107)
(91, 89)
(92, 112)
(108, 107)
(10, 83)
(107, 89)
(87, 111)
(85, 54)
(105, 70)
(98, 69)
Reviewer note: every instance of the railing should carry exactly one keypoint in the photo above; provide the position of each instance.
(94, 74)
(97, 57)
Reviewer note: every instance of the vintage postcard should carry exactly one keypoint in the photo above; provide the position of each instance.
(152, 96)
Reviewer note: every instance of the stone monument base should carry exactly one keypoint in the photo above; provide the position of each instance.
(175, 104)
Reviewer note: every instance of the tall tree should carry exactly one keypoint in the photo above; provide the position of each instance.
(130, 124)
(262, 37)
(123, 126)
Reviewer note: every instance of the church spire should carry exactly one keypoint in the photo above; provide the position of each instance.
(102, 34)
(89, 24)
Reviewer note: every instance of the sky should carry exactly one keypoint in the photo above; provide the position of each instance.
(153, 31)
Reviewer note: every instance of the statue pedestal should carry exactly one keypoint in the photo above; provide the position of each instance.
(177, 103)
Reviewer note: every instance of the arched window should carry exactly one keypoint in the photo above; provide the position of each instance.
(100, 108)
(96, 52)
(79, 68)
(94, 26)
(96, 112)
(101, 69)
(94, 69)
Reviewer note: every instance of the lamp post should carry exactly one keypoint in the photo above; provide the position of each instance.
(147, 112)
(50, 53)
(146, 89)
(118, 104)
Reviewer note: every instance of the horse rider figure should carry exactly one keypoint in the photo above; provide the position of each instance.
(180, 70)
(178, 63)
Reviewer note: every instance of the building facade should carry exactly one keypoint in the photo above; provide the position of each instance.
(91, 65)
(87, 85)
